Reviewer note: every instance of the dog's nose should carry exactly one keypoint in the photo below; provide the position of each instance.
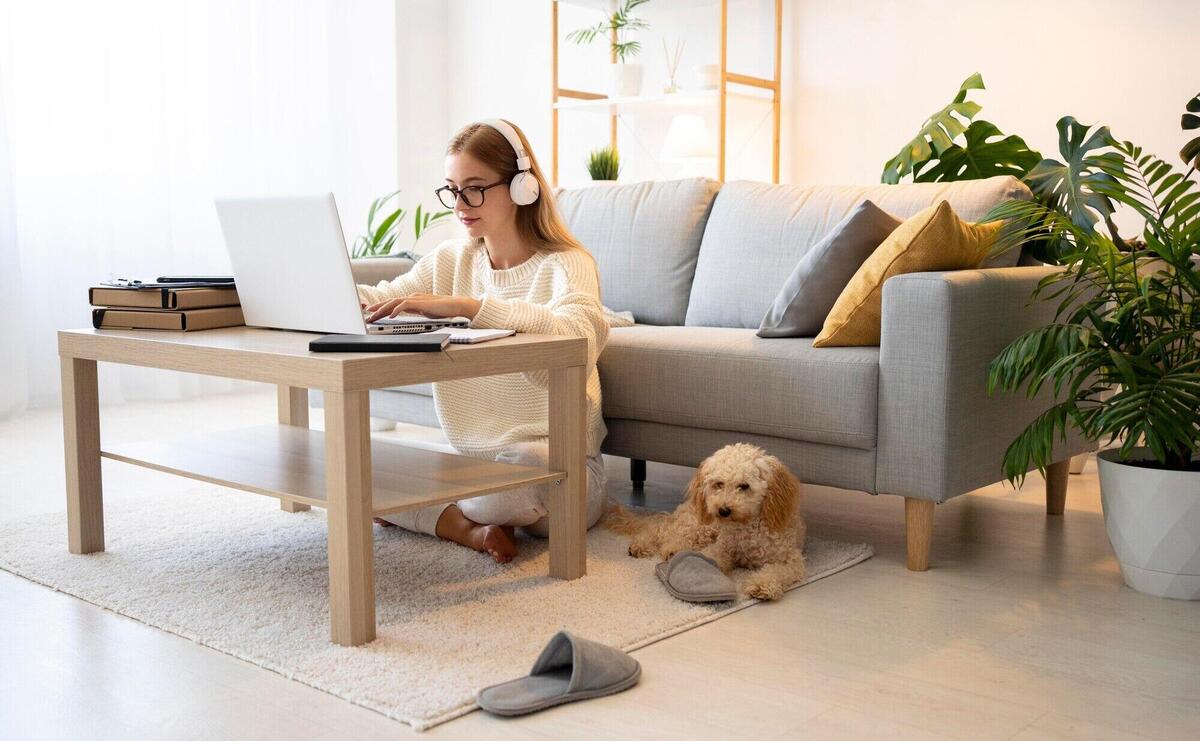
(724, 512)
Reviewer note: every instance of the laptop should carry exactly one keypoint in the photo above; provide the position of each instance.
(292, 269)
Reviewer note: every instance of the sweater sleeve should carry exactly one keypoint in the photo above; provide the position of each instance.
(417, 280)
(574, 310)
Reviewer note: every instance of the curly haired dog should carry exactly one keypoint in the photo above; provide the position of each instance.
(742, 509)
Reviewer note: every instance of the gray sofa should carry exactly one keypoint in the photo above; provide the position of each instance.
(698, 263)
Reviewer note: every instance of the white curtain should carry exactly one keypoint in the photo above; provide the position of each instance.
(124, 119)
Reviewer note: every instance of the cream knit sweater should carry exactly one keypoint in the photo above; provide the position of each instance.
(549, 293)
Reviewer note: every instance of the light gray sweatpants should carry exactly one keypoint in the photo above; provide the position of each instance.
(522, 507)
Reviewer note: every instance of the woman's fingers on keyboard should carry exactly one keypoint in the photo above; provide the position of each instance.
(384, 308)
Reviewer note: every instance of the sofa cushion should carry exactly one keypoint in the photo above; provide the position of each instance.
(818, 279)
(731, 379)
(757, 232)
(645, 237)
(934, 240)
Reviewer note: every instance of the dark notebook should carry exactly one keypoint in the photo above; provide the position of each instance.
(380, 343)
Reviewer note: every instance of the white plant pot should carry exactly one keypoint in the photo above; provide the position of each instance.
(1153, 522)
(626, 80)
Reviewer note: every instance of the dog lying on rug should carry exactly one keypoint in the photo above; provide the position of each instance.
(742, 510)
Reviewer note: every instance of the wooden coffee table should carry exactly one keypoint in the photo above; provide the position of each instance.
(339, 469)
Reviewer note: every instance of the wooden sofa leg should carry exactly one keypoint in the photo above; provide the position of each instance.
(1056, 486)
(637, 472)
(918, 524)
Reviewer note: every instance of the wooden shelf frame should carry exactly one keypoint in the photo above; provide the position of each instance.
(727, 78)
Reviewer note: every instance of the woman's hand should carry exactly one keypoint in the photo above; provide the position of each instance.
(425, 304)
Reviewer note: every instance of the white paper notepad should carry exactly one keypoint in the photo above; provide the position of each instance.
(460, 336)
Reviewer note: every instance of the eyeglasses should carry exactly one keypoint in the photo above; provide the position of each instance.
(472, 195)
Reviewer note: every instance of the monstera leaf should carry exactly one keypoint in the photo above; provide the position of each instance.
(1191, 151)
(1067, 187)
(936, 135)
(986, 152)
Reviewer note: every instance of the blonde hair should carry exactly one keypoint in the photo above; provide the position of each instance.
(538, 223)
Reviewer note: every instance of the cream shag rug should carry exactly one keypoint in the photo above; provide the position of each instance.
(231, 571)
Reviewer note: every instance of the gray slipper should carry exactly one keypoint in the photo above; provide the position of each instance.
(569, 668)
(693, 577)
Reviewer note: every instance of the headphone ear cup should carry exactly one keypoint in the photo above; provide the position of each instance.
(524, 189)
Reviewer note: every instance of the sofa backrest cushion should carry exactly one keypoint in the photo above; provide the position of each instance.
(645, 237)
(757, 232)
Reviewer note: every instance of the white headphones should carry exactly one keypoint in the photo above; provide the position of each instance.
(524, 188)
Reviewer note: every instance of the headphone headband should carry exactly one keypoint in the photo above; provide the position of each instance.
(523, 188)
(515, 141)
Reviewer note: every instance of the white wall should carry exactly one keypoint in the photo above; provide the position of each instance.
(859, 76)
(865, 74)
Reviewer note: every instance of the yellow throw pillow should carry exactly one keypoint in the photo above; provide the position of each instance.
(934, 239)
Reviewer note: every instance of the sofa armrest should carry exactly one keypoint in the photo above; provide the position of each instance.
(371, 270)
(940, 433)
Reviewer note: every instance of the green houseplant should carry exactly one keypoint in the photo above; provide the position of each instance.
(604, 164)
(626, 77)
(953, 144)
(1123, 354)
(384, 219)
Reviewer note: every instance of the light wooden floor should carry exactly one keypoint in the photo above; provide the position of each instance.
(1022, 628)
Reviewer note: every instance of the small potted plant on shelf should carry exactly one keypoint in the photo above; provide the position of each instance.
(1123, 354)
(604, 164)
(626, 78)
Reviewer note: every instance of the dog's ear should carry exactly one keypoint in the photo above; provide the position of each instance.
(783, 496)
(695, 495)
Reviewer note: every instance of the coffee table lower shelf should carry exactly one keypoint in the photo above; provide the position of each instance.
(288, 463)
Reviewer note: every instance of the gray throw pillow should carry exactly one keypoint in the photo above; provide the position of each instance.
(818, 279)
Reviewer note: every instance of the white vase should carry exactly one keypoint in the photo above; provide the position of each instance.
(708, 76)
(626, 80)
(1153, 522)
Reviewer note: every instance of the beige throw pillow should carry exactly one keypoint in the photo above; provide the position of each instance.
(933, 239)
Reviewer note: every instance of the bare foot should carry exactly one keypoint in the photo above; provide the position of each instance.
(497, 541)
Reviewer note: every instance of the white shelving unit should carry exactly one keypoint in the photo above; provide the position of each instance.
(686, 99)
(749, 87)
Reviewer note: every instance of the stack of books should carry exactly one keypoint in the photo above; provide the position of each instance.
(181, 306)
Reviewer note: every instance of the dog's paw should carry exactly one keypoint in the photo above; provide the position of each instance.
(640, 550)
(767, 589)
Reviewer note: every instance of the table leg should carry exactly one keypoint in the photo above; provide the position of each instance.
(81, 445)
(568, 509)
(293, 410)
(351, 540)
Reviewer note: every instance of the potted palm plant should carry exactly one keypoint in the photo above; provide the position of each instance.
(626, 77)
(1123, 354)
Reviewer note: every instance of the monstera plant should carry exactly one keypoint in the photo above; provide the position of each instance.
(954, 145)
(1123, 353)
(981, 151)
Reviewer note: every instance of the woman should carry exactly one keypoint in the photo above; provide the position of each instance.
(519, 269)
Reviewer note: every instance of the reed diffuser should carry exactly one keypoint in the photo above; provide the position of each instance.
(673, 57)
